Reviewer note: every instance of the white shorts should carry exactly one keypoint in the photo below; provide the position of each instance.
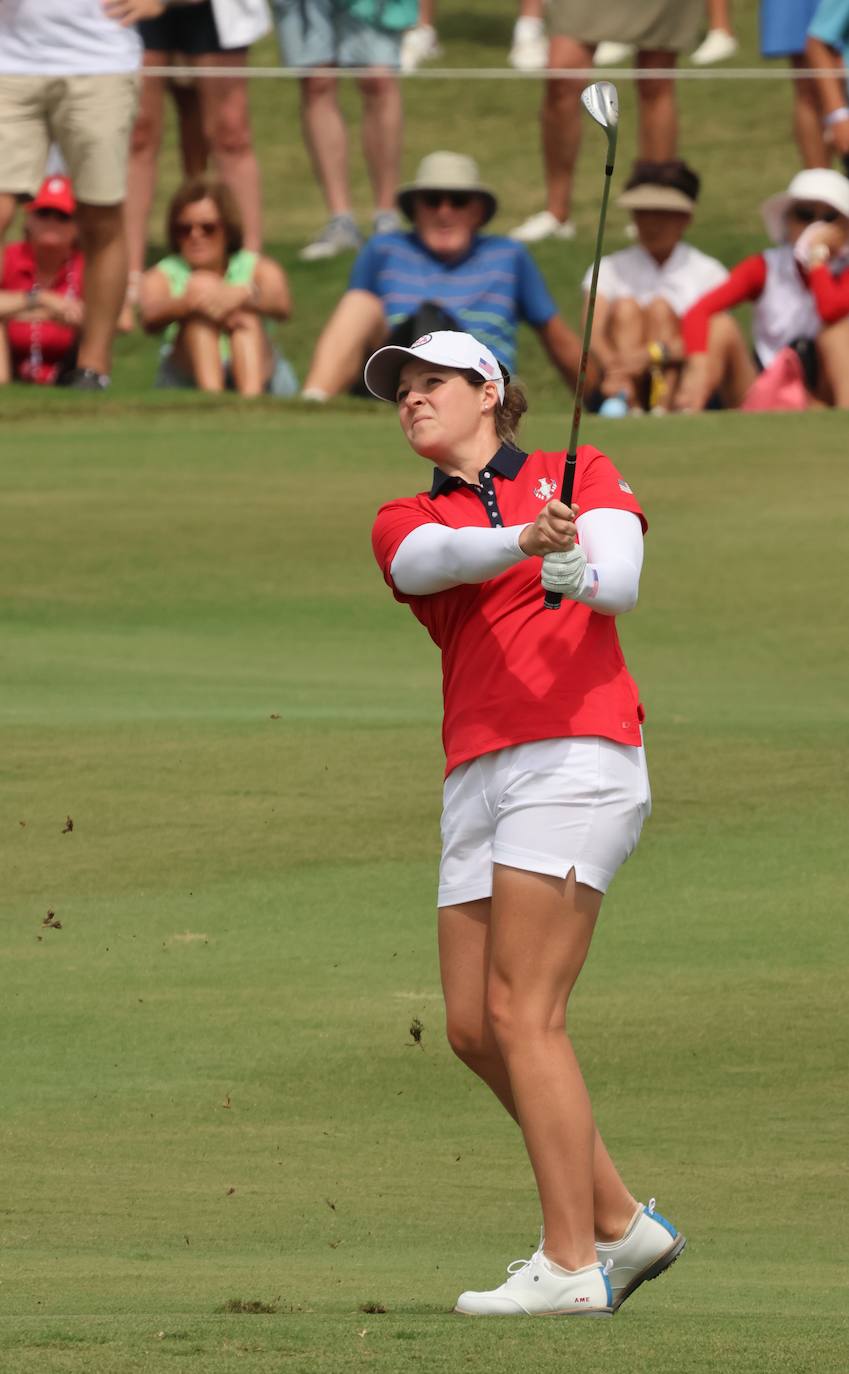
(548, 806)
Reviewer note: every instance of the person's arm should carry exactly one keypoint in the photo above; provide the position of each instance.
(129, 12)
(18, 304)
(603, 570)
(433, 557)
(270, 295)
(157, 307)
(745, 282)
(564, 349)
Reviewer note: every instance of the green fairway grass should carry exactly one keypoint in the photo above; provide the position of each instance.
(212, 1094)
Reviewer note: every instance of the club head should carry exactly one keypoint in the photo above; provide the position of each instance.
(601, 102)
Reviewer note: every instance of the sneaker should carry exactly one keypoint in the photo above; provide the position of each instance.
(545, 225)
(529, 49)
(538, 1288)
(386, 222)
(339, 235)
(649, 1246)
(611, 54)
(86, 379)
(419, 45)
(717, 46)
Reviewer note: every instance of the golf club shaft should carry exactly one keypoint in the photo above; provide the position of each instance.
(553, 599)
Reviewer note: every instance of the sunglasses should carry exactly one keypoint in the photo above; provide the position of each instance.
(458, 200)
(805, 214)
(206, 227)
(56, 216)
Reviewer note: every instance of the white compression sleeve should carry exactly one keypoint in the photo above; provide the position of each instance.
(432, 557)
(612, 541)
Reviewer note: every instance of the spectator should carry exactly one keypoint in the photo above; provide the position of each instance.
(801, 294)
(660, 29)
(826, 47)
(207, 36)
(644, 290)
(445, 274)
(719, 42)
(40, 291)
(783, 25)
(211, 297)
(68, 72)
(348, 33)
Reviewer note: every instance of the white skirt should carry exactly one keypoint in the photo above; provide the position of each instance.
(548, 806)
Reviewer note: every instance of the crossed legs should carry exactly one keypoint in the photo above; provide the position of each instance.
(508, 967)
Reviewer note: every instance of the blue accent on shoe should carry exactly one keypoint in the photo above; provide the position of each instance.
(607, 1287)
(667, 1225)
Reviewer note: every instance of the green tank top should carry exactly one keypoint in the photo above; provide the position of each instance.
(240, 272)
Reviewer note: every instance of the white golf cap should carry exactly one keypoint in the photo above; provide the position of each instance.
(448, 348)
(814, 184)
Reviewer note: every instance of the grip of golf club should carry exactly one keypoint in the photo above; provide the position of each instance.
(553, 599)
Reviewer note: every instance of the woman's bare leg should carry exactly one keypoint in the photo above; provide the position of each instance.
(225, 109)
(382, 131)
(561, 123)
(807, 120)
(250, 355)
(664, 327)
(657, 109)
(141, 179)
(833, 352)
(198, 353)
(730, 364)
(357, 323)
(627, 332)
(464, 950)
(5, 359)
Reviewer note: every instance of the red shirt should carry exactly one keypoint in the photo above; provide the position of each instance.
(512, 671)
(39, 346)
(746, 282)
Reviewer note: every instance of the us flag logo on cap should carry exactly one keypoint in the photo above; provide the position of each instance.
(487, 367)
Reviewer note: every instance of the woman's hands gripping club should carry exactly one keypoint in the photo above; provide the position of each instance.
(552, 538)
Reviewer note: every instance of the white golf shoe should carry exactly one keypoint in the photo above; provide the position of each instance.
(537, 1288)
(543, 225)
(648, 1247)
(529, 48)
(717, 46)
(419, 44)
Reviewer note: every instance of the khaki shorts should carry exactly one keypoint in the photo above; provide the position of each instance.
(89, 117)
(652, 25)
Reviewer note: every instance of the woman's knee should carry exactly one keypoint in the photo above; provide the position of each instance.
(471, 1040)
(625, 312)
(660, 317)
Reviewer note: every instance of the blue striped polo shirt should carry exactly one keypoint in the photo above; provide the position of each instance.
(488, 291)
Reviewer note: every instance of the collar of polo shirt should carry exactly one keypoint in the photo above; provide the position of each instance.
(507, 462)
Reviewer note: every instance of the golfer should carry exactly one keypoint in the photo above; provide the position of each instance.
(546, 787)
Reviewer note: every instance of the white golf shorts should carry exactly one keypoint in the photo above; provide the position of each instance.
(548, 806)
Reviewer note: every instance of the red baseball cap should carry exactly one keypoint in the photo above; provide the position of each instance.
(55, 193)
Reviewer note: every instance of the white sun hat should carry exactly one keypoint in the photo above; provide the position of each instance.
(814, 184)
(447, 347)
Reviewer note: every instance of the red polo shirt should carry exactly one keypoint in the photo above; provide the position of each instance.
(39, 347)
(512, 671)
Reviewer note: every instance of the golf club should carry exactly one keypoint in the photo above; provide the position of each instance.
(601, 102)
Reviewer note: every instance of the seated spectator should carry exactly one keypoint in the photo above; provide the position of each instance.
(801, 294)
(212, 298)
(445, 274)
(644, 290)
(41, 280)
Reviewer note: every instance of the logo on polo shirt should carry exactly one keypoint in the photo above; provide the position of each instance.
(426, 338)
(544, 489)
(623, 486)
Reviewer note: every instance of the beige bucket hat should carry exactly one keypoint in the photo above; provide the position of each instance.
(447, 172)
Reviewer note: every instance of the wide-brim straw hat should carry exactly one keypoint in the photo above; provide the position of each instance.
(447, 172)
(648, 196)
(814, 184)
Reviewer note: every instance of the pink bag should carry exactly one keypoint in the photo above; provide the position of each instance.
(781, 386)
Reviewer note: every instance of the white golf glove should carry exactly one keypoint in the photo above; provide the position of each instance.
(564, 572)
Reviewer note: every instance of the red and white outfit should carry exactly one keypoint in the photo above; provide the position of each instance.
(542, 726)
(40, 349)
(792, 302)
